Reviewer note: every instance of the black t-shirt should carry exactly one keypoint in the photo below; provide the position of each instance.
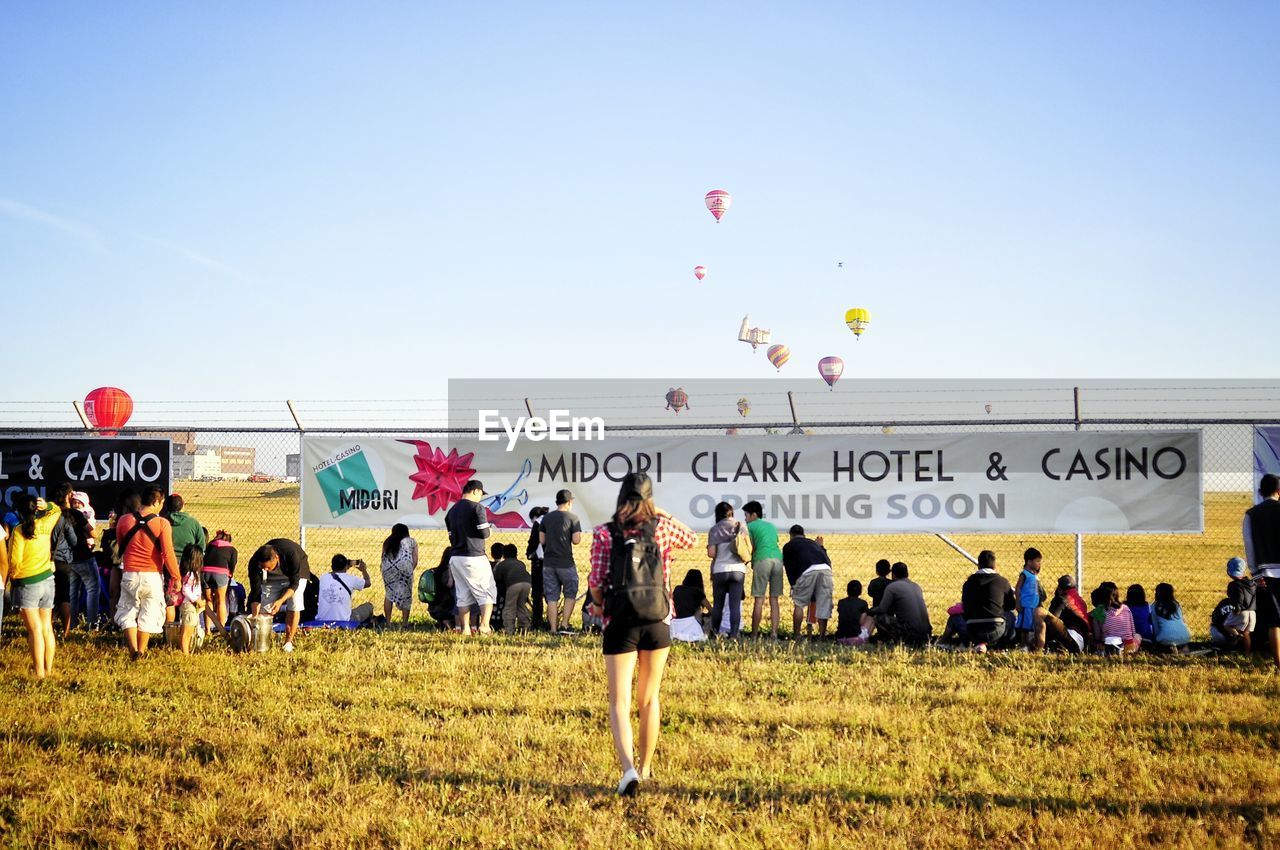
(849, 613)
(1223, 610)
(559, 526)
(468, 526)
(508, 572)
(1243, 594)
(986, 596)
(224, 557)
(293, 564)
(687, 601)
(875, 589)
(800, 554)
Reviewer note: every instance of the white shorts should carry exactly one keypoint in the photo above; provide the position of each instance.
(473, 582)
(271, 591)
(141, 603)
(1242, 621)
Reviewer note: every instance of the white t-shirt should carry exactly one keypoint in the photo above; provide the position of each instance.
(335, 603)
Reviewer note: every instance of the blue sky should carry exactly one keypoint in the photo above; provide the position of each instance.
(333, 201)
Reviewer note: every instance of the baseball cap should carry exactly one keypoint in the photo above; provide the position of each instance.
(635, 485)
(564, 497)
(473, 485)
(1236, 567)
(1066, 582)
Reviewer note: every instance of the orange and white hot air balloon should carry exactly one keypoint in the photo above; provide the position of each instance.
(718, 202)
(778, 355)
(699, 272)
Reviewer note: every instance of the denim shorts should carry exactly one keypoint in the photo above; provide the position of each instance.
(558, 580)
(37, 595)
(213, 581)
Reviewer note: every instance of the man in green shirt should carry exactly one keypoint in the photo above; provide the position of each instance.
(186, 528)
(766, 566)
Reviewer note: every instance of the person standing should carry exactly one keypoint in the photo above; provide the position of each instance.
(63, 544)
(728, 570)
(278, 575)
(766, 567)
(84, 566)
(29, 571)
(632, 593)
(187, 531)
(533, 551)
(1262, 554)
(399, 560)
(514, 589)
(809, 566)
(473, 584)
(220, 558)
(145, 542)
(561, 531)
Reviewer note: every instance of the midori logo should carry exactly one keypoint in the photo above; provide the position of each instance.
(558, 427)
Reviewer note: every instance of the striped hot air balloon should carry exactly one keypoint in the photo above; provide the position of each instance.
(677, 398)
(718, 202)
(699, 272)
(108, 409)
(831, 368)
(857, 319)
(778, 355)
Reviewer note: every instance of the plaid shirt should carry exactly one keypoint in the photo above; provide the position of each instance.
(670, 534)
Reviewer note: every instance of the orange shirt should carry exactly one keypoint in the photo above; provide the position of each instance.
(142, 555)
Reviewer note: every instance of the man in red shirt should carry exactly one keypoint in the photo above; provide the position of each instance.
(145, 541)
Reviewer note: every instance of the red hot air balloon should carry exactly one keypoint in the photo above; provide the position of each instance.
(831, 368)
(677, 398)
(108, 409)
(699, 272)
(718, 202)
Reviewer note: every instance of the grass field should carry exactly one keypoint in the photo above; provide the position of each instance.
(414, 739)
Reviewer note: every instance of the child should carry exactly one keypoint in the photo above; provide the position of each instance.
(1242, 592)
(1030, 619)
(1117, 627)
(1219, 635)
(1136, 598)
(190, 597)
(955, 631)
(1170, 631)
(875, 587)
(849, 613)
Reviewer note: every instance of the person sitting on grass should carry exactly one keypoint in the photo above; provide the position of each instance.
(1136, 598)
(1117, 625)
(690, 604)
(1170, 630)
(1069, 618)
(1242, 593)
(954, 631)
(444, 609)
(902, 616)
(190, 597)
(1220, 637)
(849, 614)
(987, 600)
(515, 589)
(875, 587)
(337, 591)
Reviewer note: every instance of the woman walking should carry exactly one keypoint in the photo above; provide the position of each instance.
(399, 560)
(632, 593)
(30, 572)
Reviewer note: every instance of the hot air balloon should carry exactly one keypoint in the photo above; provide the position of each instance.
(857, 319)
(752, 336)
(831, 368)
(677, 398)
(108, 409)
(699, 272)
(718, 201)
(778, 355)
(988, 408)
(744, 406)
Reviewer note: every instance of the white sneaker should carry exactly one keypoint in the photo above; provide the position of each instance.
(628, 784)
(288, 646)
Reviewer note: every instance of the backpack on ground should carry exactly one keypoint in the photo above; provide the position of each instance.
(427, 587)
(637, 590)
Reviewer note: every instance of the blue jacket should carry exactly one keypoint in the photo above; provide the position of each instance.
(1170, 631)
(64, 540)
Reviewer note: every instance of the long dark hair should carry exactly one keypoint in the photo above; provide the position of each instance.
(635, 502)
(1135, 596)
(25, 505)
(1166, 602)
(391, 546)
(192, 560)
(693, 580)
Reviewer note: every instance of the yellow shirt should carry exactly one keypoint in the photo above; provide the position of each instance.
(32, 560)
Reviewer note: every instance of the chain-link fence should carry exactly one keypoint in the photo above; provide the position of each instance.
(262, 501)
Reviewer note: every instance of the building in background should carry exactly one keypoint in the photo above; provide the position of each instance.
(293, 467)
(235, 463)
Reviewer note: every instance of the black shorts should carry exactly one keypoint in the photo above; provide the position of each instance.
(61, 583)
(621, 637)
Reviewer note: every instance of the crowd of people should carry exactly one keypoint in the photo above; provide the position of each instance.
(154, 569)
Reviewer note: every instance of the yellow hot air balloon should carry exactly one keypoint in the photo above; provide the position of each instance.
(857, 319)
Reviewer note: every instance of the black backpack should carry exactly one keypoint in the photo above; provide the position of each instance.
(637, 591)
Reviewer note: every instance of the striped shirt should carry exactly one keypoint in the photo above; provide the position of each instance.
(1119, 624)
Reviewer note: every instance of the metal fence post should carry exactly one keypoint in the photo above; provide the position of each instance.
(1075, 395)
(302, 479)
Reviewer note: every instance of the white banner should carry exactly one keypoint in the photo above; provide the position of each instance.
(1000, 483)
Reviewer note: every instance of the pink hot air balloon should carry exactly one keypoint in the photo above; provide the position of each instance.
(699, 272)
(778, 355)
(108, 409)
(719, 201)
(831, 368)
